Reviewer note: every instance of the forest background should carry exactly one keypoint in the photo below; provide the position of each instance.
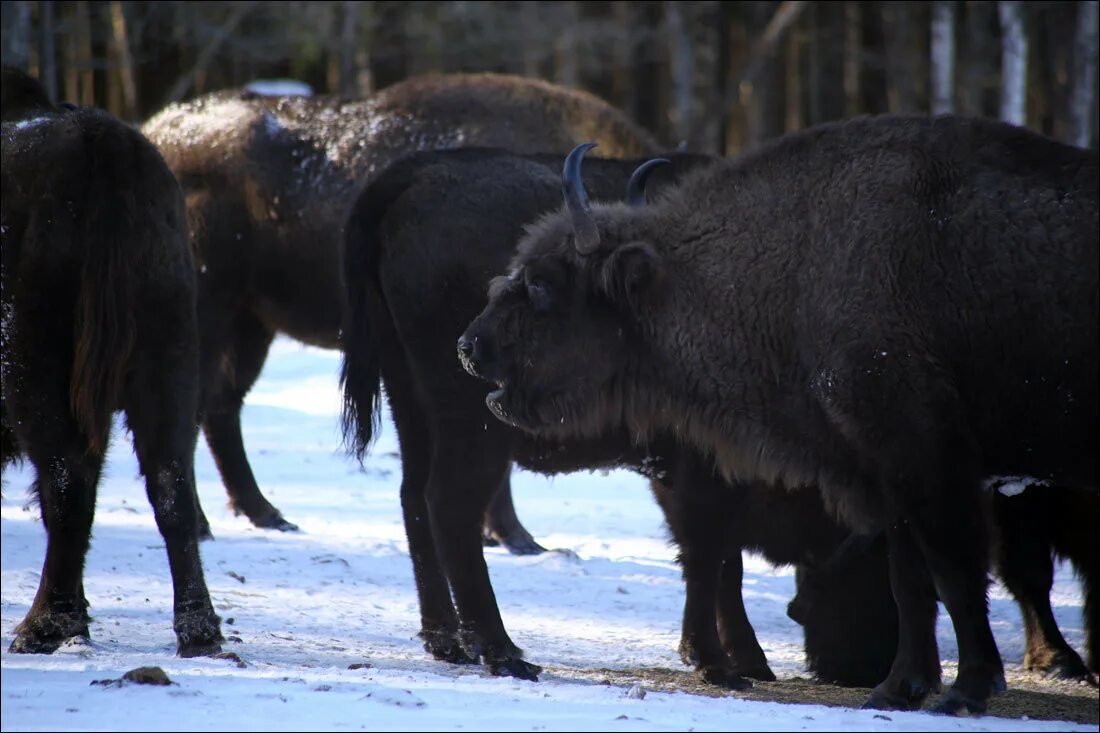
(718, 76)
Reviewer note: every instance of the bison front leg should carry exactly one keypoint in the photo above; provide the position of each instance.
(915, 672)
(698, 509)
(466, 472)
(502, 525)
(734, 629)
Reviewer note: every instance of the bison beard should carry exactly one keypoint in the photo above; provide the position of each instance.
(99, 316)
(889, 309)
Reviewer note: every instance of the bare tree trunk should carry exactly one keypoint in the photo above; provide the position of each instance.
(1013, 62)
(1083, 101)
(853, 64)
(47, 55)
(943, 57)
(17, 40)
(901, 55)
(794, 81)
(682, 63)
(565, 49)
(84, 53)
(529, 16)
(825, 82)
(347, 49)
(120, 45)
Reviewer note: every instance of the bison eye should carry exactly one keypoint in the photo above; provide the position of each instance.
(538, 291)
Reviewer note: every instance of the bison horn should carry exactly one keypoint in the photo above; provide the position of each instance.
(635, 187)
(585, 234)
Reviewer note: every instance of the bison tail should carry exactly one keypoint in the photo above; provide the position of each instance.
(104, 314)
(367, 319)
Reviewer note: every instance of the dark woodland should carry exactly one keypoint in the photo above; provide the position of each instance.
(721, 76)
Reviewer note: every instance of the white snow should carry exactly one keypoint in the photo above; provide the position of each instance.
(280, 88)
(341, 592)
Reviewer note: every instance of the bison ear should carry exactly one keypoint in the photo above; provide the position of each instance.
(631, 272)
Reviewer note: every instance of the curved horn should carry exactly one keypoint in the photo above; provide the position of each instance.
(585, 234)
(635, 187)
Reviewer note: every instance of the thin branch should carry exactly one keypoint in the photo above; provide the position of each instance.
(209, 51)
(764, 48)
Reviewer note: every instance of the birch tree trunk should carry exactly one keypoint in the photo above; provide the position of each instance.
(1083, 100)
(1013, 62)
(943, 57)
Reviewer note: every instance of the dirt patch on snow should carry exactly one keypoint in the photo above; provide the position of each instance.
(1028, 695)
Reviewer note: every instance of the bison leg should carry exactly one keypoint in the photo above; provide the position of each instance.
(160, 405)
(737, 636)
(66, 488)
(697, 508)
(502, 526)
(37, 407)
(1025, 565)
(466, 470)
(916, 669)
(438, 619)
(228, 381)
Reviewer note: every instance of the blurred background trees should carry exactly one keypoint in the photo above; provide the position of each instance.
(720, 76)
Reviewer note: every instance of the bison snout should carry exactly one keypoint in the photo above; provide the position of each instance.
(473, 354)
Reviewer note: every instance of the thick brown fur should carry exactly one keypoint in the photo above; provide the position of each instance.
(889, 309)
(98, 305)
(268, 183)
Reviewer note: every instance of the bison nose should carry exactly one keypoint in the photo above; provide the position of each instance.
(465, 348)
(466, 354)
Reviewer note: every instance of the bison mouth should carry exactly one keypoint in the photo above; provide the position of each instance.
(495, 401)
(538, 413)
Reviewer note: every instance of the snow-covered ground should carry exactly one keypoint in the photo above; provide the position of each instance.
(308, 605)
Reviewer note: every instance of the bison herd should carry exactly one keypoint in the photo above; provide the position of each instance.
(840, 350)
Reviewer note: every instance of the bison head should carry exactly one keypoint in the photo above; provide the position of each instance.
(562, 334)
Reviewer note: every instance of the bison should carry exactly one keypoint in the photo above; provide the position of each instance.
(422, 242)
(268, 182)
(98, 316)
(889, 309)
(1028, 530)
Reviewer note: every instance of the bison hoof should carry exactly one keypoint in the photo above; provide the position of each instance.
(275, 521)
(726, 677)
(44, 633)
(1065, 666)
(884, 698)
(198, 633)
(761, 673)
(513, 668)
(958, 704)
(445, 646)
(519, 542)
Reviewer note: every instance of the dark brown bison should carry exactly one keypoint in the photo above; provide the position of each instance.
(423, 241)
(268, 182)
(98, 316)
(889, 309)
